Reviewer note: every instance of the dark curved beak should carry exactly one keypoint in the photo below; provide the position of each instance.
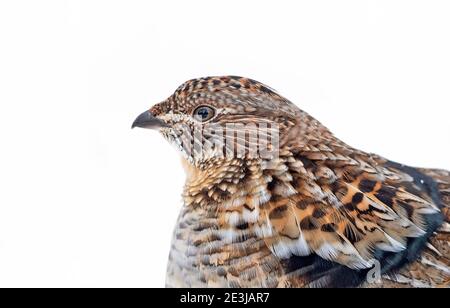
(147, 120)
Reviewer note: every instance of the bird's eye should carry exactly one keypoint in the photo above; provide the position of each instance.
(203, 113)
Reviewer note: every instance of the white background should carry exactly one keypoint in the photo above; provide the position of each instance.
(87, 202)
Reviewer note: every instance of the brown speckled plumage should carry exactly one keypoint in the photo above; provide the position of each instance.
(317, 215)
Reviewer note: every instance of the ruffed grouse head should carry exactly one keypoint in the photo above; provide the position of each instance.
(215, 119)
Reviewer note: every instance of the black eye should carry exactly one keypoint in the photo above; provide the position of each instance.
(203, 113)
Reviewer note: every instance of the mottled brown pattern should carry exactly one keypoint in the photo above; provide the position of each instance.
(316, 216)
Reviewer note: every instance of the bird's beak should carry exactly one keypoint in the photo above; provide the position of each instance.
(147, 120)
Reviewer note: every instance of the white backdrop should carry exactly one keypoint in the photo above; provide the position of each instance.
(87, 202)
